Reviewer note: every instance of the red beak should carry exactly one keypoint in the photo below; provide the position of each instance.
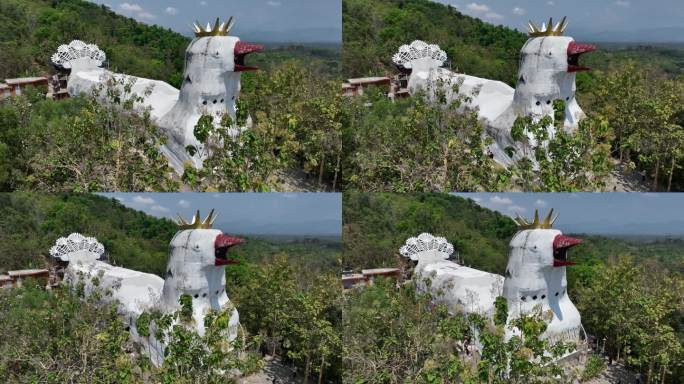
(561, 244)
(241, 50)
(574, 52)
(221, 246)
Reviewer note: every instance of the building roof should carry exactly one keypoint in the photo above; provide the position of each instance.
(28, 272)
(354, 276)
(380, 271)
(4, 86)
(25, 80)
(369, 80)
(5, 278)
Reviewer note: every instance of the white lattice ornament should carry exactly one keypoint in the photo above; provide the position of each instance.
(78, 50)
(426, 244)
(419, 50)
(76, 244)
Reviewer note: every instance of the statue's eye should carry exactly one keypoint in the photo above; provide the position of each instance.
(196, 247)
(549, 53)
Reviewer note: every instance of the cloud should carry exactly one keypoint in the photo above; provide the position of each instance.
(203, 3)
(540, 203)
(131, 7)
(519, 11)
(121, 199)
(551, 3)
(623, 3)
(500, 200)
(476, 199)
(184, 203)
(146, 16)
(171, 11)
(274, 3)
(516, 209)
(159, 208)
(478, 8)
(143, 200)
(493, 16)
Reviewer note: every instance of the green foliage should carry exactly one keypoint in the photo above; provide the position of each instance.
(297, 317)
(373, 31)
(398, 335)
(415, 144)
(395, 335)
(639, 312)
(644, 109)
(595, 365)
(81, 144)
(578, 161)
(295, 125)
(56, 337)
(501, 314)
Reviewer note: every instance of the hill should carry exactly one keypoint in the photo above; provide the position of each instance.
(376, 225)
(31, 30)
(32, 222)
(473, 46)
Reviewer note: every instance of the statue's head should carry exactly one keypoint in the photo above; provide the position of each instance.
(537, 246)
(214, 49)
(214, 61)
(549, 62)
(199, 246)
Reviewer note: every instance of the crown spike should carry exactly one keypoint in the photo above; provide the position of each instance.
(197, 222)
(229, 25)
(548, 221)
(548, 29)
(536, 223)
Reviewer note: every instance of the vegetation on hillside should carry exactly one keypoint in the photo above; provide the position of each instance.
(31, 30)
(82, 144)
(630, 292)
(374, 31)
(287, 294)
(634, 111)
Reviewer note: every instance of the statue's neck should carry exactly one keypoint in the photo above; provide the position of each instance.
(209, 92)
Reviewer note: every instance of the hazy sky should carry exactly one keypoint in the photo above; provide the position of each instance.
(250, 15)
(248, 213)
(583, 15)
(602, 213)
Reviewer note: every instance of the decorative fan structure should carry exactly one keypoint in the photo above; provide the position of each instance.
(425, 244)
(66, 248)
(78, 50)
(418, 50)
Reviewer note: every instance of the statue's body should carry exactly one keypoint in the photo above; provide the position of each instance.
(548, 66)
(211, 86)
(535, 277)
(197, 256)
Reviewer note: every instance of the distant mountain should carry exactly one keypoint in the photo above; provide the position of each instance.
(669, 228)
(651, 35)
(314, 228)
(304, 35)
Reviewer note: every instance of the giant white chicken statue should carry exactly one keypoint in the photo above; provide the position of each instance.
(197, 256)
(214, 62)
(535, 277)
(548, 67)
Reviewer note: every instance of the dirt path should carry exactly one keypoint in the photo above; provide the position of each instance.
(274, 372)
(622, 179)
(616, 373)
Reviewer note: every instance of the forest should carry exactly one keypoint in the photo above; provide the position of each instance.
(628, 292)
(80, 144)
(287, 293)
(632, 98)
